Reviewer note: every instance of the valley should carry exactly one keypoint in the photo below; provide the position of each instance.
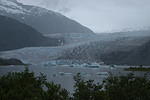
(39, 40)
(60, 66)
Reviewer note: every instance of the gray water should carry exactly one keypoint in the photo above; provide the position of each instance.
(63, 74)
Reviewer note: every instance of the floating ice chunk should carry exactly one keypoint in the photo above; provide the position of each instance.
(93, 65)
(61, 73)
(112, 66)
(68, 73)
(102, 73)
(50, 63)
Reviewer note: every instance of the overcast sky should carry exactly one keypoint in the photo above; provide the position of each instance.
(102, 15)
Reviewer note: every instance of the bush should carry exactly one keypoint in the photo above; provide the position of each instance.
(25, 86)
(113, 88)
(127, 88)
(87, 90)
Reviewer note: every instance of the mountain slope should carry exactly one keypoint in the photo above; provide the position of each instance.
(14, 35)
(43, 20)
(138, 56)
(107, 47)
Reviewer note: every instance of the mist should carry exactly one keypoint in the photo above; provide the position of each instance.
(102, 15)
(75, 49)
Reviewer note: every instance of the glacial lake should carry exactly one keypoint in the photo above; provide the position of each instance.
(63, 74)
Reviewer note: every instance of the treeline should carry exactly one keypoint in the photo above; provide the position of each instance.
(26, 86)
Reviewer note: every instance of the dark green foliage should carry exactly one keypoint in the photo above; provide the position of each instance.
(25, 86)
(113, 88)
(127, 88)
(55, 92)
(140, 69)
(87, 90)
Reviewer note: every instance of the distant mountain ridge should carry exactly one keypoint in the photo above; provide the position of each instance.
(138, 56)
(117, 48)
(43, 20)
(15, 35)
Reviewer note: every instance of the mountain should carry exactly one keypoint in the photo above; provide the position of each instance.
(43, 20)
(138, 56)
(12, 61)
(14, 35)
(107, 47)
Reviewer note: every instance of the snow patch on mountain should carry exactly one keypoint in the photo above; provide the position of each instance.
(16, 7)
(9, 10)
(9, 3)
(10, 6)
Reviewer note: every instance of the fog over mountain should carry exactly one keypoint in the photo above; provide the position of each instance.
(43, 20)
(102, 15)
(15, 35)
(67, 46)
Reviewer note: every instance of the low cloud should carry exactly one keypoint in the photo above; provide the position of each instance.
(102, 15)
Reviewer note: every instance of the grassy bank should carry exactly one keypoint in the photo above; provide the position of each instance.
(141, 69)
